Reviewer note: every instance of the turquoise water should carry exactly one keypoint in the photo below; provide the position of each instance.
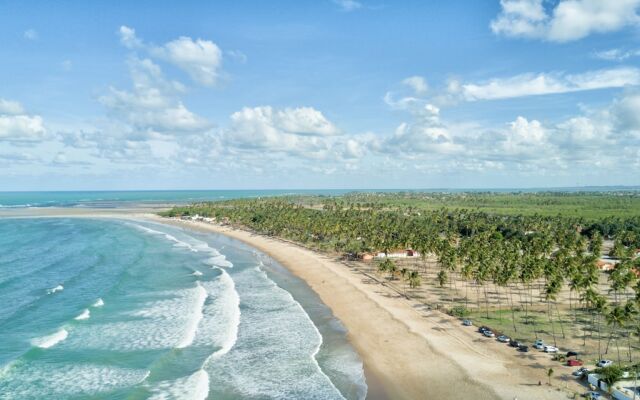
(108, 309)
(121, 198)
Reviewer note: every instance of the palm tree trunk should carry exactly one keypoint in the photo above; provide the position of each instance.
(553, 329)
(560, 320)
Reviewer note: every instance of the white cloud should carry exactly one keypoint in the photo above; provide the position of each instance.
(626, 112)
(417, 83)
(425, 134)
(21, 128)
(152, 106)
(200, 59)
(301, 132)
(598, 141)
(128, 37)
(9, 107)
(304, 121)
(616, 54)
(31, 34)
(552, 83)
(568, 20)
(17, 126)
(348, 5)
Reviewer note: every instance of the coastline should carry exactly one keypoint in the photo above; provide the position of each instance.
(408, 352)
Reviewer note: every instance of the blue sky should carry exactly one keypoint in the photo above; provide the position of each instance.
(313, 94)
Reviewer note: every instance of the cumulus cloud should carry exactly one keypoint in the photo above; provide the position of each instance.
(18, 126)
(549, 83)
(303, 133)
(128, 37)
(8, 107)
(417, 83)
(153, 104)
(606, 138)
(200, 59)
(568, 20)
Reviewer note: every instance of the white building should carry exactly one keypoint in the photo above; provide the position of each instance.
(622, 390)
(408, 253)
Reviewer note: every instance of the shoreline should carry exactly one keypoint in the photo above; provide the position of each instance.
(408, 352)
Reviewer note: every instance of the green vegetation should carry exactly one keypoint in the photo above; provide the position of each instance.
(522, 263)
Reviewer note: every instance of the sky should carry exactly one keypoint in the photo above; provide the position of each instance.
(319, 94)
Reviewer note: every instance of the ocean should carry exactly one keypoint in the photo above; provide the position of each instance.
(122, 309)
(114, 199)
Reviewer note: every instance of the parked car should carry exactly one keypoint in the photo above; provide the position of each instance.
(538, 344)
(593, 395)
(515, 343)
(488, 333)
(467, 322)
(504, 339)
(604, 363)
(574, 363)
(482, 329)
(550, 349)
(572, 354)
(523, 348)
(580, 372)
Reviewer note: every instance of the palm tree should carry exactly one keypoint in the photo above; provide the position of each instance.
(414, 279)
(599, 308)
(615, 318)
(630, 312)
(552, 288)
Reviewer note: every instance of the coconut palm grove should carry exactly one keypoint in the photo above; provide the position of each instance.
(552, 266)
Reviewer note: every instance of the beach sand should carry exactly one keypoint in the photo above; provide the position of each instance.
(408, 352)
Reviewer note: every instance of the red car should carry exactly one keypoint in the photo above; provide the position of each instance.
(574, 363)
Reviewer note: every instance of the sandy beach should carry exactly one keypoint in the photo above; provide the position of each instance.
(409, 352)
(412, 353)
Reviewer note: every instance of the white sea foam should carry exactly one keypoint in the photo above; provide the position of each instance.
(162, 321)
(222, 316)
(192, 387)
(197, 273)
(196, 315)
(45, 342)
(58, 288)
(41, 380)
(86, 314)
(189, 242)
(279, 336)
(219, 261)
(98, 303)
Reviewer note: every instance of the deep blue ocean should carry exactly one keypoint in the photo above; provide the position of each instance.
(121, 309)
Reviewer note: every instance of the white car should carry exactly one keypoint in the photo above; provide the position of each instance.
(550, 349)
(539, 344)
(504, 339)
(604, 363)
